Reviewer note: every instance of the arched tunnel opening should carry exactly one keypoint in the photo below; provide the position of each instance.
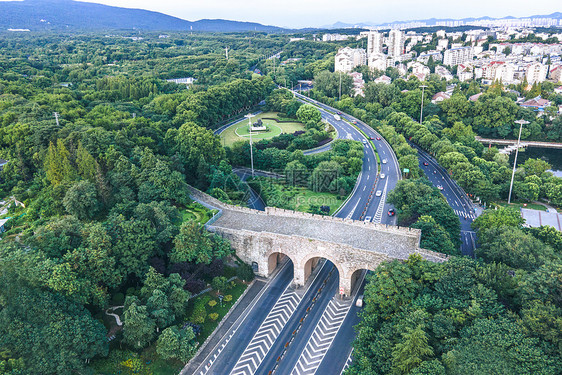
(278, 259)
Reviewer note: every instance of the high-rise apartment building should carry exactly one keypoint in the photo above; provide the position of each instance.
(374, 43)
(456, 56)
(396, 40)
(348, 58)
(536, 73)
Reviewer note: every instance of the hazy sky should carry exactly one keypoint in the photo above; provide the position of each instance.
(306, 13)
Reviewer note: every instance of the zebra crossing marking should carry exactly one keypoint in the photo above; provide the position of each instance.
(268, 332)
(322, 337)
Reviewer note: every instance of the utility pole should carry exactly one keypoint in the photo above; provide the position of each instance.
(423, 87)
(249, 117)
(56, 114)
(521, 123)
(227, 53)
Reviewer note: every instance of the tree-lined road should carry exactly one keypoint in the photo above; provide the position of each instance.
(456, 198)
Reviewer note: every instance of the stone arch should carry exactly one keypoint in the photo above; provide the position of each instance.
(304, 268)
(275, 257)
(354, 278)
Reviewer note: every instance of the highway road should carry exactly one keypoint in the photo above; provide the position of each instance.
(456, 197)
(322, 341)
(364, 204)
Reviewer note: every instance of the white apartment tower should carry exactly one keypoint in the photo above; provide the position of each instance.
(456, 56)
(396, 40)
(374, 43)
(536, 73)
(348, 58)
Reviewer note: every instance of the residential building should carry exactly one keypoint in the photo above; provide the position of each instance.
(537, 104)
(379, 61)
(358, 83)
(536, 73)
(348, 58)
(396, 40)
(442, 72)
(419, 70)
(383, 79)
(439, 97)
(456, 56)
(435, 55)
(464, 72)
(475, 97)
(374, 43)
(442, 44)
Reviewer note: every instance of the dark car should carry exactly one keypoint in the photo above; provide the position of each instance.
(340, 113)
(391, 212)
(425, 163)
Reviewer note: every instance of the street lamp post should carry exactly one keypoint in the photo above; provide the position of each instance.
(521, 123)
(423, 87)
(249, 117)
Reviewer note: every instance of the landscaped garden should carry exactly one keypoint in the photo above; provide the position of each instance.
(240, 130)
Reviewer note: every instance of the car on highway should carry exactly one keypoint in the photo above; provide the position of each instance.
(434, 172)
(378, 193)
(439, 187)
(378, 138)
(372, 138)
(382, 175)
(384, 161)
(391, 212)
(359, 302)
(340, 113)
(425, 163)
(368, 218)
(364, 141)
(354, 122)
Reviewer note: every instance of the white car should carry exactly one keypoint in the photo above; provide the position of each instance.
(384, 161)
(383, 175)
(359, 302)
(378, 193)
(368, 218)
(364, 141)
(439, 187)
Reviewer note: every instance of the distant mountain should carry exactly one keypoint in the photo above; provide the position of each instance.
(75, 15)
(432, 21)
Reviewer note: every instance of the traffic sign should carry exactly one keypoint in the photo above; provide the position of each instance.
(406, 170)
(341, 290)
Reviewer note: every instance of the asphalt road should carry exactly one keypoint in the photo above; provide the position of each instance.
(456, 197)
(324, 340)
(364, 204)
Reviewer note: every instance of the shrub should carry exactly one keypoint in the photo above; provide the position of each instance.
(213, 316)
(212, 303)
(245, 272)
(228, 298)
(199, 313)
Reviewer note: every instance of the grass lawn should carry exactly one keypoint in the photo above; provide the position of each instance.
(209, 325)
(239, 131)
(197, 212)
(532, 206)
(301, 199)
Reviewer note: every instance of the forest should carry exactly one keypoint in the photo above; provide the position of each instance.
(100, 150)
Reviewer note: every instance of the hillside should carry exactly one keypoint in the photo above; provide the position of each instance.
(73, 15)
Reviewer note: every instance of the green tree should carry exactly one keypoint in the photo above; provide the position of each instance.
(309, 113)
(176, 343)
(81, 200)
(219, 283)
(138, 326)
(411, 351)
(57, 164)
(434, 236)
(195, 244)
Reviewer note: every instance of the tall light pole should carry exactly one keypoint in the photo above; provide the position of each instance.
(340, 87)
(521, 123)
(249, 117)
(423, 87)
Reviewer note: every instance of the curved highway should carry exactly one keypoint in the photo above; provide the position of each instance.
(364, 204)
